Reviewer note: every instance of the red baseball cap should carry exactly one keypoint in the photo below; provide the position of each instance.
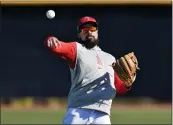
(87, 19)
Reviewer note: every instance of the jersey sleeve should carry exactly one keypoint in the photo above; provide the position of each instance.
(65, 51)
(119, 85)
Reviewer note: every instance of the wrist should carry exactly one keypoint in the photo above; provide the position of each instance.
(128, 86)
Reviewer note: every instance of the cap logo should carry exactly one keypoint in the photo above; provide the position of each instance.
(87, 18)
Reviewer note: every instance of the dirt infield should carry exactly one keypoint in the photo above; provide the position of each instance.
(115, 106)
(61, 104)
(145, 106)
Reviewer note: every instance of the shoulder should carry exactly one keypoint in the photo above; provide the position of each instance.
(109, 56)
(79, 44)
(80, 47)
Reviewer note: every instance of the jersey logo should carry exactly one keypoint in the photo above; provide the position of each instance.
(99, 63)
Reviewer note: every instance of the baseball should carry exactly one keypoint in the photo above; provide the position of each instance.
(50, 14)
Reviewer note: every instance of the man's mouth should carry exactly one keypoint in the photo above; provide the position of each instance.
(90, 37)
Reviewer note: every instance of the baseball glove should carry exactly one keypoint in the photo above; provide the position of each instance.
(126, 68)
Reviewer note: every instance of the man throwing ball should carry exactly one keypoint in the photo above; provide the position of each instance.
(96, 76)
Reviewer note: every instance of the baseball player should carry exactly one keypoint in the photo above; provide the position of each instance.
(96, 76)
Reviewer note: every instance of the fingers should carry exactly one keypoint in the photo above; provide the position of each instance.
(52, 42)
(49, 43)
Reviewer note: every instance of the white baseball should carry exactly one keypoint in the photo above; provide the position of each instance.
(50, 14)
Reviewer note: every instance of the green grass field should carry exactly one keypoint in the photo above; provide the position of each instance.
(119, 116)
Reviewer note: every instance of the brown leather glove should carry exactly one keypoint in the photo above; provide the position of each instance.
(126, 68)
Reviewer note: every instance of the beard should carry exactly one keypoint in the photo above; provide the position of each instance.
(90, 42)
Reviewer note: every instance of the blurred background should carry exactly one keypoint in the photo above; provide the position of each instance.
(34, 84)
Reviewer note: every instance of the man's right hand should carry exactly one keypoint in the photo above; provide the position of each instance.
(64, 50)
(52, 42)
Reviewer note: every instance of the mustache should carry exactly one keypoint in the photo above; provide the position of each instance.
(89, 36)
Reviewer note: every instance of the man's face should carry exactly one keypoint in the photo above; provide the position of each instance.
(89, 35)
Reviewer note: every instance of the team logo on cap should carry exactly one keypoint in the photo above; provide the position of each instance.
(87, 18)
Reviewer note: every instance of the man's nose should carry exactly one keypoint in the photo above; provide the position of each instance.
(89, 32)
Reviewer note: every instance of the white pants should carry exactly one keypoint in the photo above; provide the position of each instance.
(85, 116)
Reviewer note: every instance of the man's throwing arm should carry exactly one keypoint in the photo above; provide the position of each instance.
(63, 50)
